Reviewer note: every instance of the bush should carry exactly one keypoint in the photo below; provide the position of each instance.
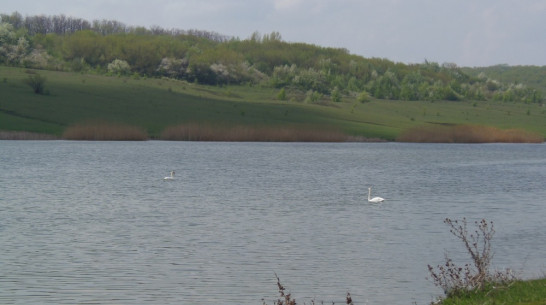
(281, 95)
(119, 67)
(364, 97)
(312, 96)
(456, 280)
(336, 95)
(36, 82)
(286, 299)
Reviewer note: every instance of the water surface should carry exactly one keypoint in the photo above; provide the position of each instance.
(94, 222)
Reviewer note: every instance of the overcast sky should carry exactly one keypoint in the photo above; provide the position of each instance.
(464, 32)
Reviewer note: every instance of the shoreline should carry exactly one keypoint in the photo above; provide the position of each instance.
(32, 136)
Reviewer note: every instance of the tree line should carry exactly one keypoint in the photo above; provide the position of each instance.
(61, 24)
(73, 44)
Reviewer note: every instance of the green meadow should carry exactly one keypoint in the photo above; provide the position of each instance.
(531, 292)
(154, 105)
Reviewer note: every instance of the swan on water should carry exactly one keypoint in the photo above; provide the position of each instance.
(374, 199)
(171, 177)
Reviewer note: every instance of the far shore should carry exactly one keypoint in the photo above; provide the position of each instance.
(25, 135)
(32, 136)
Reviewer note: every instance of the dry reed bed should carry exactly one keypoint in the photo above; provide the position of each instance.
(467, 134)
(209, 132)
(105, 132)
(204, 132)
(24, 135)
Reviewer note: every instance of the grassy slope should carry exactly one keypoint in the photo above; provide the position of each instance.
(155, 104)
(532, 292)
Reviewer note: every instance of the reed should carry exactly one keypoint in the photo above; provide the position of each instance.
(467, 134)
(103, 131)
(244, 133)
(25, 135)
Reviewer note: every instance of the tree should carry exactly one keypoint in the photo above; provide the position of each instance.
(363, 97)
(13, 46)
(336, 95)
(119, 67)
(173, 67)
(312, 96)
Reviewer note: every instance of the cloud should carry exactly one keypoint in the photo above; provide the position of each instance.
(285, 5)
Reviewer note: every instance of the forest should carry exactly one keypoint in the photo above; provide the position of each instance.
(110, 47)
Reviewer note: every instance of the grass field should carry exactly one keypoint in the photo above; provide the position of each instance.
(154, 105)
(532, 292)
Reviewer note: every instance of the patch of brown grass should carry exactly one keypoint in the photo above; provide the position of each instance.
(239, 133)
(467, 134)
(103, 131)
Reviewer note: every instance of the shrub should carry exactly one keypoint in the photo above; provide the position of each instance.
(336, 95)
(312, 96)
(281, 95)
(36, 82)
(286, 299)
(364, 97)
(119, 67)
(456, 280)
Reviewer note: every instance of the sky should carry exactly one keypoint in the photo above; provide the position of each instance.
(469, 33)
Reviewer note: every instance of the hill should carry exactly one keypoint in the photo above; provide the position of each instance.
(105, 73)
(154, 105)
(108, 47)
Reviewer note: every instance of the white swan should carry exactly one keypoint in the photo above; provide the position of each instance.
(374, 199)
(171, 177)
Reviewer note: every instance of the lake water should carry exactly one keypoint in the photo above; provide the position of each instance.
(94, 222)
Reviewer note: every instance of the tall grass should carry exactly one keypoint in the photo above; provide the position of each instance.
(467, 134)
(103, 131)
(246, 133)
(25, 135)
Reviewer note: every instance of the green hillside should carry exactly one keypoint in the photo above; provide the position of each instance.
(69, 44)
(155, 79)
(155, 104)
(533, 76)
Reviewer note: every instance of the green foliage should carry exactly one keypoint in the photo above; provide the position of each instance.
(512, 83)
(364, 97)
(336, 95)
(281, 95)
(72, 44)
(312, 96)
(119, 67)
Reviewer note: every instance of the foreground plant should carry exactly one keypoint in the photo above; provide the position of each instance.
(456, 280)
(286, 299)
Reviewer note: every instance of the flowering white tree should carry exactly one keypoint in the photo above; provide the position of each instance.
(120, 67)
(173, 67)
(13, 48)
